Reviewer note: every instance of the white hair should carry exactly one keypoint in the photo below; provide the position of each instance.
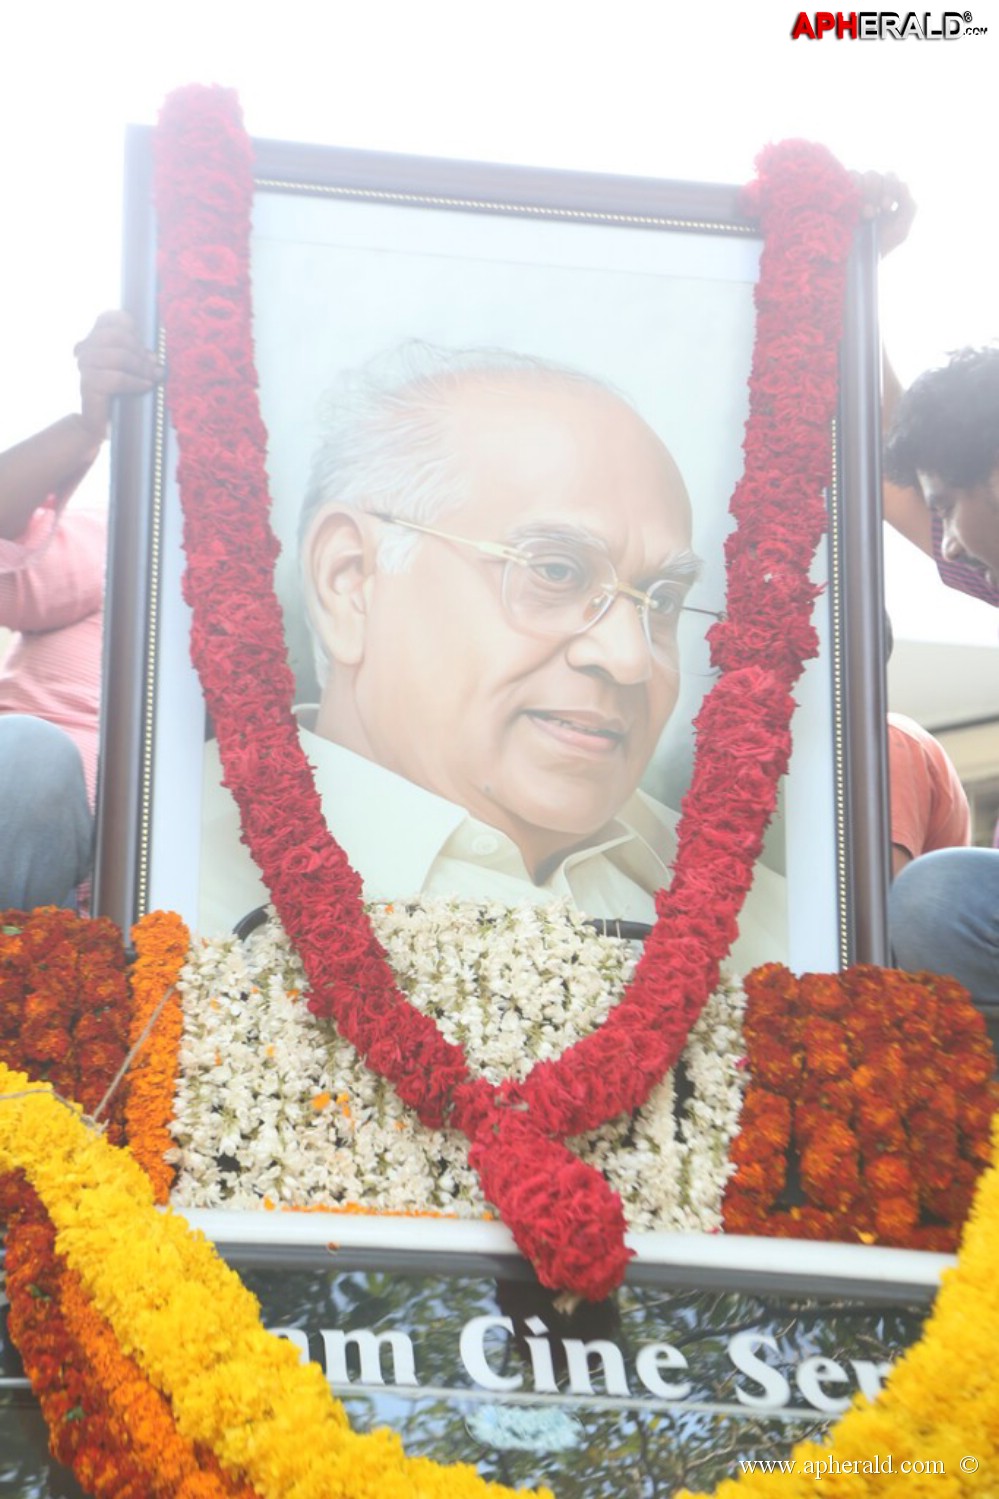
(386, 449)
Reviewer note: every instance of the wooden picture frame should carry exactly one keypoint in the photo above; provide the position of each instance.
(638, 255)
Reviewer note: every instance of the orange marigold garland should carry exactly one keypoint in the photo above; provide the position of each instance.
(65, 1004)
(106, 1421)
(161, 943)
(37, 1327)
(881, 1082)
(64, 1016)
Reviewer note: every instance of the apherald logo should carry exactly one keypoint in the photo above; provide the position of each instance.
(876, 25)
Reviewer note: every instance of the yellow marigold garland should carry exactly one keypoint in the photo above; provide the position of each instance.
(161, 942)
(245, 1396)
(233, 1388)
(106, 1421)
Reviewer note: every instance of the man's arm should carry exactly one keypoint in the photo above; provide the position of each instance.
(112, 362)
(907, 512)
(904, 507)
(888, 200)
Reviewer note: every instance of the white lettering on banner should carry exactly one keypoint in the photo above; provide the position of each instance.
(487, 1346)
(473, 1353)
(656, 1356)
(816, 1371)
(542, 1366)
(369, 1348)
(577, 1357)
(742, 1351)
(870, 1376)
(294, 1335)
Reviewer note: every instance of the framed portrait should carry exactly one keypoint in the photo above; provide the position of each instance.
(505, 413)
(606, 326)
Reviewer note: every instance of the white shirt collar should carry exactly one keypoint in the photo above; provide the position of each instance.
(395, 831)
(404, 840)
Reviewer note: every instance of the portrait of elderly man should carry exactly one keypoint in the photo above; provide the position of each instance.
(496, 555)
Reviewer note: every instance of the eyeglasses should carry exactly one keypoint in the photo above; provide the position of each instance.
(560, 585)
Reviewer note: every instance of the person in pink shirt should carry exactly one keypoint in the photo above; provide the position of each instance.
(51, 595)
(929, 806)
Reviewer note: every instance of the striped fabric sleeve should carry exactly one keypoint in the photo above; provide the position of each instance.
(966, 577)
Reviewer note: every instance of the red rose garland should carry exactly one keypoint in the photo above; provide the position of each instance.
(563, 1215)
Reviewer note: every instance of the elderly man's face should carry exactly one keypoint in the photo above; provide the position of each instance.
(542, 736)
(970, 520)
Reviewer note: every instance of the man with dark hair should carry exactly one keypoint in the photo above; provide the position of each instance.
(942, 466)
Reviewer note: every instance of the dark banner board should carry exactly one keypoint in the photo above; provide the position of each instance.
(660, 1387)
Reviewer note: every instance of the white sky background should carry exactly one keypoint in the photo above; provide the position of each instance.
(640, 87)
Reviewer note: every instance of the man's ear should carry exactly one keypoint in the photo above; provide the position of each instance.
(339, 556)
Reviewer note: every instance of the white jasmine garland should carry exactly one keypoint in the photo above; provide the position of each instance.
(273, 1106)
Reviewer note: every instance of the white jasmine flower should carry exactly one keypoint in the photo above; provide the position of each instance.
(272, 1103)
